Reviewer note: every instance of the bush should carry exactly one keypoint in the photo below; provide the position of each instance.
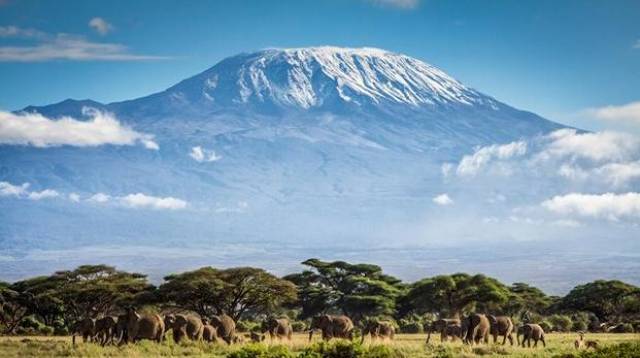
(560, 323)
(247, 326)
(623, 328)
(46, 330)
(336, 349)
(31, 322)
(256, 350)
(299, 326)
(546, 326)
(406, 326)
(622, 350)
(578, 326)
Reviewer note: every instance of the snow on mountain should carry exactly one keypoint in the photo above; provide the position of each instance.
(295, 150)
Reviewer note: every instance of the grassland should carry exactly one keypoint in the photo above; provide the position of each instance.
(405, 345)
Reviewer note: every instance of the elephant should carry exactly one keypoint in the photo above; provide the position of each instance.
(277, 328)
(184, 326)
(256, 337)
(209, 333)
(106, 329)
(442, 326)
(149, 326)
(85, 328)
(475, 328)
(225, 327)
(501, 326)
(378, 329)
(332, 327)
(531, 331)
(121, 329)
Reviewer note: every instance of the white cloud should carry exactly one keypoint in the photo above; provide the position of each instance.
(608, 206)
(629, 112)
(39, 131)
(48, 47)
(200, 154)
(470, 165)
(8, 189)
(566, 223)
(443, 199)
(140, 200)
(99, 198)
(100, 25)
(240, 207)
(402, 4)
(45, 194)
(599, 146)
(74, 197)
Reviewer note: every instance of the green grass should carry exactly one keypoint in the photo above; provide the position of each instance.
(405, 345)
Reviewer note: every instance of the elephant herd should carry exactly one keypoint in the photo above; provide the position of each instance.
(476, 328)
(132, 327)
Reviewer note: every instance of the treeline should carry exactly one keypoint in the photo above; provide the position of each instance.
(52, 304)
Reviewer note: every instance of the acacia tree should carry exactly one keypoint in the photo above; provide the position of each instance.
(356, 290)
(235, 291)
(453, 294)
(14, 307)
(608, 300)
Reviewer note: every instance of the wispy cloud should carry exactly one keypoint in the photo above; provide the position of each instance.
(200, 154)
(100, 25)
(636, 44)
(401, 4)
(443, 200)
(36, 130)
(629, 112)
(22, 191)
(608, 206)
(48, 47)
(140, 200)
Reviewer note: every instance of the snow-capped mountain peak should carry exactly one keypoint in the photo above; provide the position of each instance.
(320, 77)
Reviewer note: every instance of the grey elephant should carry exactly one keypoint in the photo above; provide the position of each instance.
(531, 331)
(209, 332)
(378, 330)
(256, 337)
(105, 330)
(86, 328)
(442, 326)
(501, 326)
(225, 327)
(475, 328)
(184, 326)
(277, 328)
(147, 326)
(120, 333)
(332, 327)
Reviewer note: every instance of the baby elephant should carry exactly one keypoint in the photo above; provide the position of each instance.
(209, 332)
(531, 331)
(501, 326)
(278, 328)
(379, 330)
(256, 337)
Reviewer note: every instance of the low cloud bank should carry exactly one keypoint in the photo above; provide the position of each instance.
(39, 131)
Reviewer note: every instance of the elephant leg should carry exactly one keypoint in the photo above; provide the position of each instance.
(535, 342)
(510, 339)
(495, 338)
(544, 344)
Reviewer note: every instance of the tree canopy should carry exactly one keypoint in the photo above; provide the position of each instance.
(356, 290)
(606, 299)
(234, 291)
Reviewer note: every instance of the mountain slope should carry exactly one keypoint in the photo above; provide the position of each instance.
(306, 149)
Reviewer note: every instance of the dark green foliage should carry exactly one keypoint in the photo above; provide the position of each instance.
(357, 290)
(234, 291)
(262, 351)
(299, 326)
(622, 350)
(608, 300)
(450, 295)
(560, 323)
(247, 326)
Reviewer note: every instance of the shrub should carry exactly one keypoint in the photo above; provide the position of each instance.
(560, 323)
(261, 351)
(622, 350)
(31, 322)
(407, 326)
(46, 330)
(247, 326)
(546, 326)
(299, 326)
(336, 349)
(579, 326)
(623, 328)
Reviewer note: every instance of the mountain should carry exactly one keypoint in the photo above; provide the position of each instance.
(278, 154)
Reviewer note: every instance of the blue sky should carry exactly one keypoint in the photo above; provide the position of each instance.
(556, 58)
